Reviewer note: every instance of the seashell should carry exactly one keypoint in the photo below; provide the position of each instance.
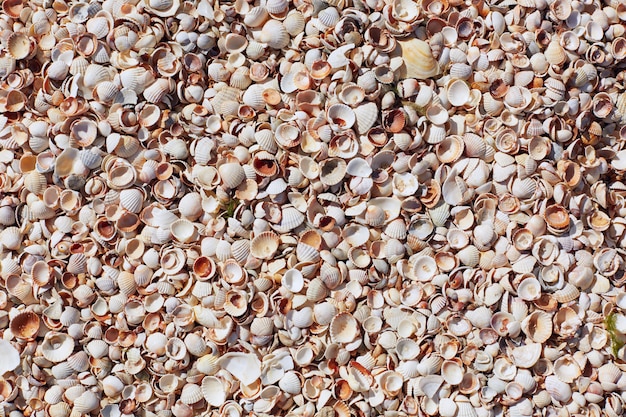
(274, 34)
(418, 59)
(341, 116)
(18, 45)
(163, 8)
(25, 325)
(264, 245)
(452, 372)
(316, 290)
(11, 238)
(458, 93)
(232, 174)
(183, 231)
(245, 367)
(332, 171)
(559, 391)
(343, 328)
(132, 200)
(191, 394)
(324, 313)
(366, 116)
(557, 218)
(287, 136)
(407, 349)
(450, 149)
(424, 268)
(57, 347)
(529, 289)
(86, 402)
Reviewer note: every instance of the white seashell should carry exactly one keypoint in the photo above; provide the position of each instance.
(529, 289)
(341, 116)
(183, 231)
(232, 174)
(191, 394)
(11, 238)
(559, 391)
(527, 355)
(256, 17)
(132, 200)
(458, 93)
(332, 171)
(452, 372)
(57, 347)
(245, 367)
(86, 402)
(407, 349)
(293, 280)
(213, 391)
(366, 116)
(274, 34)
(404, 184)
(447, 407)
(163, 8)
(424, 268)
(343, 328)
(324, 313)
(264, 245)
(11, 357)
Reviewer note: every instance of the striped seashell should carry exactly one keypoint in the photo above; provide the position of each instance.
(191, 394)
(316, 290)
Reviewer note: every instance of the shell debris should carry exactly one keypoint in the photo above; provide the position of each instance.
(313, 208)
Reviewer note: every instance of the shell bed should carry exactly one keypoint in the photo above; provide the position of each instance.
(312, 208)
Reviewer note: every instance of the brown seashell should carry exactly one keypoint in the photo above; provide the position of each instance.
(557, 218)
(25, 325)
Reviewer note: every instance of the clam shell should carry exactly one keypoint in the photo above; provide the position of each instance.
(86, 402)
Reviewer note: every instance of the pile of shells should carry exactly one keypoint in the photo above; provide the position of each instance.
(313, 208)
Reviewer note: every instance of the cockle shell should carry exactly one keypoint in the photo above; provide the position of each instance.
(25, 325)
(418, 59)
(264, 245)
(57, 347)
(343, 328)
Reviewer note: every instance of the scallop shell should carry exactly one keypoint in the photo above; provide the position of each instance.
(163, 8)
(232, 174)
(11, 238)
(332, 171)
